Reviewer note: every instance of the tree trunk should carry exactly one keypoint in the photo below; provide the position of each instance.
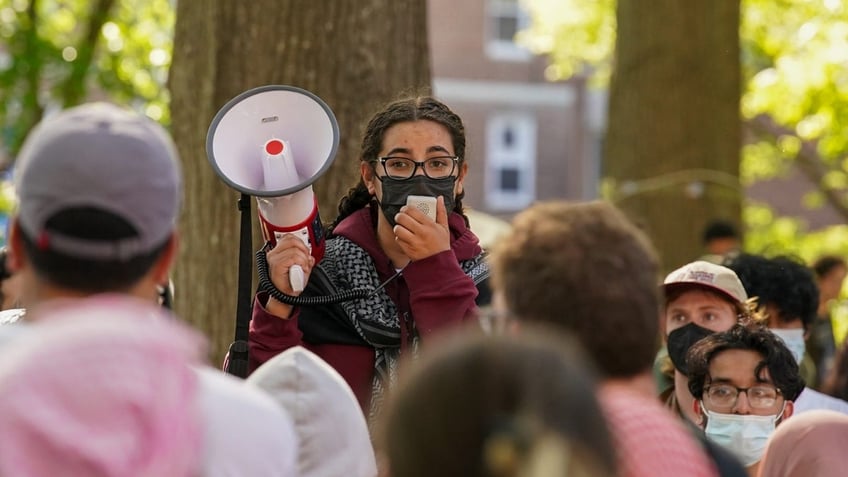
(355, 55)
(674, 134)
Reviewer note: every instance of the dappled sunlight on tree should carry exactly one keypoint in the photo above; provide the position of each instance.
(794, 103)
(59, 54)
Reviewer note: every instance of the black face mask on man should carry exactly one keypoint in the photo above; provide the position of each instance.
(396, 191)
(681, 339)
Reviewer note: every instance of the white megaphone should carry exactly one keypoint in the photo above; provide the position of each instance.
(273, 142)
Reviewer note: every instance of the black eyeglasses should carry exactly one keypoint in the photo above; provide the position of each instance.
(725, 396)
(402, 168)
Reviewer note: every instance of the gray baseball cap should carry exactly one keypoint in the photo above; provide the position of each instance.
(103, 157)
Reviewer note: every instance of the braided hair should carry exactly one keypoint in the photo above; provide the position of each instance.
(399, 111)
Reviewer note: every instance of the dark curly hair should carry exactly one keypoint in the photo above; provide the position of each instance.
(782, 281)
(403, 110)
(827, 263)
(776, 357)
(719, 229)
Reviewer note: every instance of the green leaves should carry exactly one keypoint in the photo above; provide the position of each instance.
(794, 54)
(574, 33)
(58, 53)
(133, 64)
(62, 52)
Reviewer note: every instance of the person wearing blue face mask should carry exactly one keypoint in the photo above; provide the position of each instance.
(745, 381)
(700, 298)
(787, 295)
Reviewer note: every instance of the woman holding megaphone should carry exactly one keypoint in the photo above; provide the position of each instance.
(426, 272)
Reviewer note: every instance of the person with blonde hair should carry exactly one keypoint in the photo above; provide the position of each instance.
(701, 298)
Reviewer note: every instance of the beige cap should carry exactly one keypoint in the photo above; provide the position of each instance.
(708, 275)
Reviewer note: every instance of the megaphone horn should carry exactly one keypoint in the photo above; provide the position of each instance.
(273, 142)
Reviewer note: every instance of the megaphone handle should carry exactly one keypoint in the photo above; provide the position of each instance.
(297, 278)
(267, 286)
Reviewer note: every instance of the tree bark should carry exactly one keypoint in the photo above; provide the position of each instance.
(355, 55)
(674, 135)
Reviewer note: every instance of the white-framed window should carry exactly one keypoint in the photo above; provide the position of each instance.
(510, 160)
(504, 19)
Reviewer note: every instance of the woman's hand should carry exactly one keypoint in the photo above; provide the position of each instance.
(419, 236)
(289, 251)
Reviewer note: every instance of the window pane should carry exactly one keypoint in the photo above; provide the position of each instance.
(508, 137)
(509, 181)
(510, 160)
(507, 27)
(505, 18)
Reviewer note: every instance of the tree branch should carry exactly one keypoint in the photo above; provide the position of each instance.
(73, 89)
(808, 160)
(31, 109)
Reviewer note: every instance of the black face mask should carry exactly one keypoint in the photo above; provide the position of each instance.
(681, 339)
(395, 192)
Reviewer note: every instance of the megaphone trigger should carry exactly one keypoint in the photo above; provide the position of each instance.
(297, 278)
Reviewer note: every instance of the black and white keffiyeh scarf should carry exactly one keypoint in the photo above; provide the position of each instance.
(375, 317)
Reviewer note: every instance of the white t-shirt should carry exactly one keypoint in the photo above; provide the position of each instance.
(330, 425)
(811, 399)
(247, 433)
(10, 332)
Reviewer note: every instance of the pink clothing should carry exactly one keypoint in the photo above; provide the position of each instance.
(808, 444)
(101, 388)
(434, 293)
(649, 440)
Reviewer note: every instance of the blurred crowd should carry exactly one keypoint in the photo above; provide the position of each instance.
(562, 350)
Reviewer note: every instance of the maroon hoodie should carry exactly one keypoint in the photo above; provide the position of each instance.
(435, 292)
